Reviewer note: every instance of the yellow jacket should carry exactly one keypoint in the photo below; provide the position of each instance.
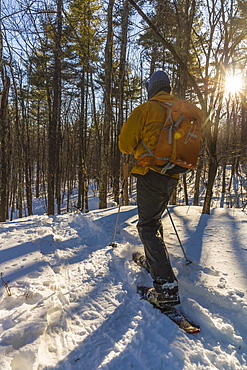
(144, 123)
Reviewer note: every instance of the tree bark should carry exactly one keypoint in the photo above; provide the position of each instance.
(185, 190)
(4, 157)
(116, 163)
(197, 182)
(104, 170)
(54, 124)
(209, 193)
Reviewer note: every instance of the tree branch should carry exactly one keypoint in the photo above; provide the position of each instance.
(171, 48)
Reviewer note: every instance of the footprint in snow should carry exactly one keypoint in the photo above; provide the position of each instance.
(210, 271)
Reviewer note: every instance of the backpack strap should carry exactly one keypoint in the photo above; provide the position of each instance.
(173, 125)
(147, 149)
(191, 134)
(168, 106)
(150, 153)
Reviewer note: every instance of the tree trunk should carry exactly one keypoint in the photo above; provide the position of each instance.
(25, 140)
(54, 124)
(28, 183)
(223, 178)
(244, 126)
(197, 182)
(104, 170)
(3, 153)
(185, 190)
(116, 164)
(126, 182)
(37, 184)
(173, 199)
(86, 196)
(212, 171)
(81, 145)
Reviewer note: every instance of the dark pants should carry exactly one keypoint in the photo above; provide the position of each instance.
(153, 193)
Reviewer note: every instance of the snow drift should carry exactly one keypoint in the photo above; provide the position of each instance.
(68, 300)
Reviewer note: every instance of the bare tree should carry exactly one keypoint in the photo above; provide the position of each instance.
(104, 170)
(3, 141)
(54, 124)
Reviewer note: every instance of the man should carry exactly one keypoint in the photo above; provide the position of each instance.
(154, 189)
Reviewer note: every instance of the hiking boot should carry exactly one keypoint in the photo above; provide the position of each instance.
(140, 260)
(164, 295)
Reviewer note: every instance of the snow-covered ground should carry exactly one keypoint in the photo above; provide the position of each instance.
(70, 301)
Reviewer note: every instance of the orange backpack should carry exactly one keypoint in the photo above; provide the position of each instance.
(178, 145)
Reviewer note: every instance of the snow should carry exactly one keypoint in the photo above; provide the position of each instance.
(73, 302)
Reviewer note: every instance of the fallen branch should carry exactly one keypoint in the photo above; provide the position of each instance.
(7, 288)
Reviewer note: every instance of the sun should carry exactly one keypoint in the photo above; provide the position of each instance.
(233, 84)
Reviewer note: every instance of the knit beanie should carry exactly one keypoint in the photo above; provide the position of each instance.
(157, 82)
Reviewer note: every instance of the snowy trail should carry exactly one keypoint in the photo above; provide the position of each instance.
(73, 302)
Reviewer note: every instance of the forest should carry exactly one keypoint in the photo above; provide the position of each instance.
(73, 70)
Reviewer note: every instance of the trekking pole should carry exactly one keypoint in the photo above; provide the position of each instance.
(114, 244)
(181, 245)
